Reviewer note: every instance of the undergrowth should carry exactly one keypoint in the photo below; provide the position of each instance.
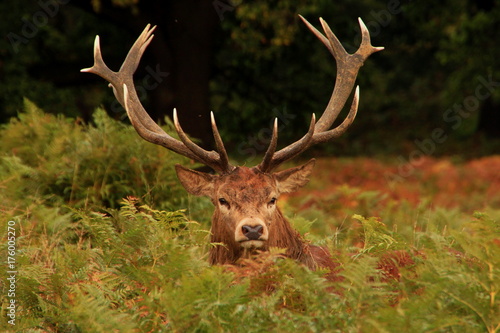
(104, 244)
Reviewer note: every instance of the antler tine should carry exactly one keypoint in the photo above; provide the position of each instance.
(272, 160)
(339, 130)
(99, 66)
(134, 56)
(217, 161)
(266, 162)
(348, 66)
(318, 34)
(366, 39)
(219, 144)
(122, 83)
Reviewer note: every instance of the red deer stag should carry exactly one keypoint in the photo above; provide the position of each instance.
(246, 216)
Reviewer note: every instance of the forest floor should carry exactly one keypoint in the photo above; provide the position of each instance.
(439, 182)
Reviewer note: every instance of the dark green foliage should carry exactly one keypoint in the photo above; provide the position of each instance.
(435, 59)
(54, 159)
(40, 52)
(267, 64)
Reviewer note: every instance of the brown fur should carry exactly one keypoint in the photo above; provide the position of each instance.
(248, 192)
(281, 235)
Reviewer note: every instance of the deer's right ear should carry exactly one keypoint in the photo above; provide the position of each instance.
(292, 179)
(195, 182)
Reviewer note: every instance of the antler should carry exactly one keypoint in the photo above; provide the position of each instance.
(124, 89)
(347, 69)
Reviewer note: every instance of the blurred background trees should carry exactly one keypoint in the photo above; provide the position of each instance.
(253, 61)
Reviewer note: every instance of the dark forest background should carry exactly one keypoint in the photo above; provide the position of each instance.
(434, 90)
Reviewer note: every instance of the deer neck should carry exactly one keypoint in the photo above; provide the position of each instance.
(283, 236)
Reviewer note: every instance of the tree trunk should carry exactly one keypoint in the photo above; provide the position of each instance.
(489, 121)
(176, 68)
(187, 30)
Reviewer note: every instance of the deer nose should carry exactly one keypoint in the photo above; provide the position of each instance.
(252, 233)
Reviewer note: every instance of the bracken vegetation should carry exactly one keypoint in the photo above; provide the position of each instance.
(108, 241)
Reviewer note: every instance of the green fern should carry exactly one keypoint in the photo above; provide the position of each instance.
(105, 244)
(375, 234)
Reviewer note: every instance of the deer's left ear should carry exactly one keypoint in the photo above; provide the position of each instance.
(292, 179)
(195, 182)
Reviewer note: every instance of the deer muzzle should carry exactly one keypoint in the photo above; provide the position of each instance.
(251, 233)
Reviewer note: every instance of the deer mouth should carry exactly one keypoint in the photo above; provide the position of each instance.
(252, 244)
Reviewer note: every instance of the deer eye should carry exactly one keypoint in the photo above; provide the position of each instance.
(224, 202)
(272, 202)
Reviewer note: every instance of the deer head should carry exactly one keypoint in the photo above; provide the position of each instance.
(246, 216)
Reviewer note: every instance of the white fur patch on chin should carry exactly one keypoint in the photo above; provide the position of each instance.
(255, 244)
